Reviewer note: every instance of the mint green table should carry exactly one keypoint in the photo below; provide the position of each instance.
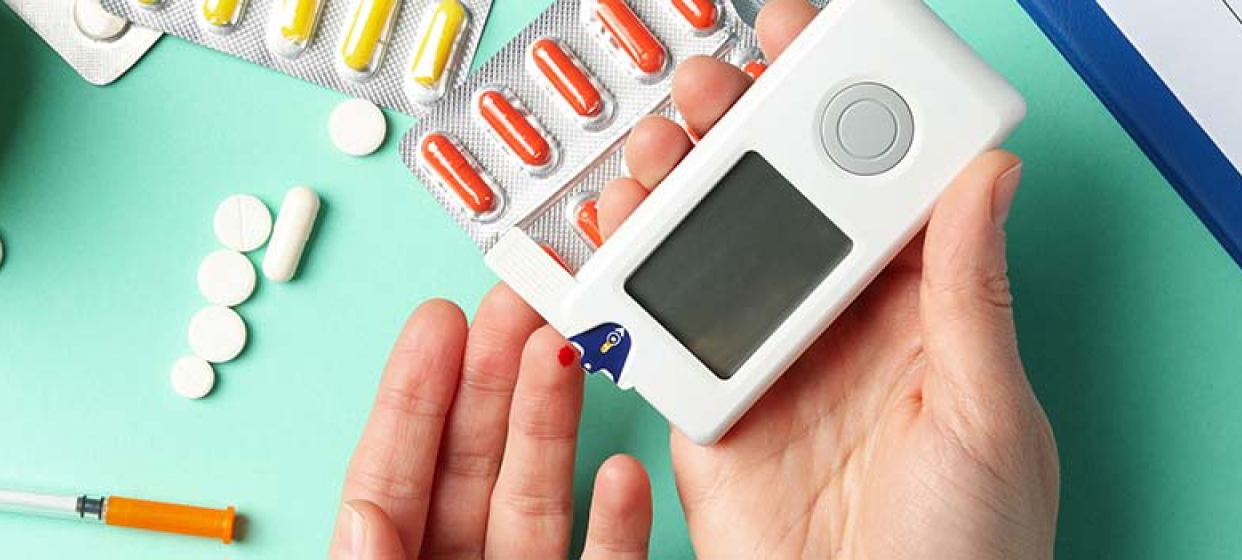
(1128, 311)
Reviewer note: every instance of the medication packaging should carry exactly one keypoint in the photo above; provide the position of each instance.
(399, 54)
(535, 134)
(761, 236)
(97, 44)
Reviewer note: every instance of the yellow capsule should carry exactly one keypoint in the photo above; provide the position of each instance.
(441, 32)
(294, 25)
(365, 41)
(150, 4)
(222, 16)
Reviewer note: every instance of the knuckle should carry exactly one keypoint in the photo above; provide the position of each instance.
(389, 485)
(470, 465)
(410, 402)
(616, 543)
(530, 503)
(545, 420)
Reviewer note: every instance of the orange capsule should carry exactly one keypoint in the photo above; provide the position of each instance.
(563, 72)
(513, 126)
(587, 219)
(702, 15)
(631, 35)
(455, 169)
(555, 256)
(755, 68)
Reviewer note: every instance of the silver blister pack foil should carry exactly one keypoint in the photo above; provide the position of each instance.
(545, 206)
(98, 62)
(581, 150)
(388, 86)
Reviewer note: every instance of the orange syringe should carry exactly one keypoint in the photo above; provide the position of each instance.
(125, 512)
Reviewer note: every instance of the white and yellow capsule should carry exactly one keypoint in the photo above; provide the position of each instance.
(443, 27)
(293, 25)
(362, 49)
(221, 16)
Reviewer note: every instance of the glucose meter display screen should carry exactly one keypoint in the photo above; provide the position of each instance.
(738, 265)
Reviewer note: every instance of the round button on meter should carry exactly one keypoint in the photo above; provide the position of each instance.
(867, 129)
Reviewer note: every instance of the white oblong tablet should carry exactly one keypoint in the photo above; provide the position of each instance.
(96, 22)
(243, 222)
(226, 278)
(192, 377)
(293, 229)
(357, 127)
(217, 334)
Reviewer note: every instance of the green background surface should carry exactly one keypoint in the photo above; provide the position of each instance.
(1127, 309)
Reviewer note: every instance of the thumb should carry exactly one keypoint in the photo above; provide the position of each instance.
(966, 308)
(364, 532)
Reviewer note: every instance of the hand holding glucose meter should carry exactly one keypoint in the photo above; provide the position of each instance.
(781, 215)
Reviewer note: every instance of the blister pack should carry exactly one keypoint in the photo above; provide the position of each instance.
(531, 139)
(98, 45)
(400, 54)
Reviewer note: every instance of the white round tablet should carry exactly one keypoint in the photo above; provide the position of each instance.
(243, 222)
(192, 377)
(226, 278)
(217, 334)
(96, 22)
(357, 127)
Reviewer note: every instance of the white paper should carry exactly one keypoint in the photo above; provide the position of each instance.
(1195, 46)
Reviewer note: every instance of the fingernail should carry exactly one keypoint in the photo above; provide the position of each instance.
(1003, 193)
(567, 355)
(351, 532)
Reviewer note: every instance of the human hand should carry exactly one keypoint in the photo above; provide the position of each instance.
(465, 457)
(909, 429)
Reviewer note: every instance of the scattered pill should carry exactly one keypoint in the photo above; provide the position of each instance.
(440, 35)
(192, 377)
(217, 334)
(458, 172)
(96, 22)
(586, 218)
(567, 76)
(357, 127)
(702, 15)
(294, 23)
(226, 278)
(516, 129)
(293, 228)
(628, 33)
(367, 37)
(243, 223)
(1, 252)
(221, 16)
(755, 68)
(150, 4)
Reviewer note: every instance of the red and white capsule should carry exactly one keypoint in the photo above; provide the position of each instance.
(754, 68)
(565, 76)
(703, 16)
(459, 173)
(621, 30)
(516, 129)
(586, 221)
(548, 250)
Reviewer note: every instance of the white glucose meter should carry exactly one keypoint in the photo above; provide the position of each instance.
(780, 216)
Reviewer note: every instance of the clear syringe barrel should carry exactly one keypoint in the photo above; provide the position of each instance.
(52, 505)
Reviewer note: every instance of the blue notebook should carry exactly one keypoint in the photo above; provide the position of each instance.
(1106, 40)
